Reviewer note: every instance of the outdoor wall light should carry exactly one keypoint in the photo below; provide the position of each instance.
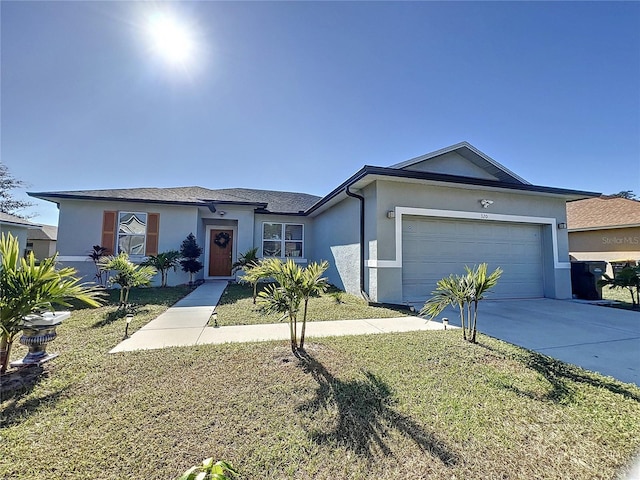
(391, 214)
(562, 226)
(222, 213)
(485, 203)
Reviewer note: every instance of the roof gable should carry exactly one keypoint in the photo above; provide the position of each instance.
(603, 212)
(464, 160)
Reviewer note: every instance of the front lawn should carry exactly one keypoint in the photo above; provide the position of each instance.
(236, 308)
(619, 295)
(418, 405)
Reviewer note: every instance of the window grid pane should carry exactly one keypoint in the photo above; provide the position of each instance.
(132, 230)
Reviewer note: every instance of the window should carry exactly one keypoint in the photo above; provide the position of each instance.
(132, 232)
(282, 240)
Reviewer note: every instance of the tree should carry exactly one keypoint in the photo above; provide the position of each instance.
(628, 278)
(163, 262)
(8, 203)
(628, 194)
(27, 288)
(293, 286)
(253, 273)
(465, 292)
(246, 260)
(127, 275)
(190, 252)
(313, 283)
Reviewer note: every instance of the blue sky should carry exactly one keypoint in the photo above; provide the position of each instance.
(299, 96)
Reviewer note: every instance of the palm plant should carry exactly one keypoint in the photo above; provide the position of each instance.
(253, 273)
(27, 288)
(313, 283)
(628, 278)
(163, 262)
(465, 292)
(246, 260)
(294, 285)
(127, 275)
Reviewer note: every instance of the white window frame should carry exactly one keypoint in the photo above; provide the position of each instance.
(283, 241)
(119, 235)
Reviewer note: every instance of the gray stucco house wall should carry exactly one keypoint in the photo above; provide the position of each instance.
(388, 233)
(18, 227)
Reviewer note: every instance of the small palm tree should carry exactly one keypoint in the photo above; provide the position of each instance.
(127, 275)
(27, 288)
(628, 278)
(253, 273)
(313, 283)
(465, 292)
(246, 260)
(294, 286)
(163, 262)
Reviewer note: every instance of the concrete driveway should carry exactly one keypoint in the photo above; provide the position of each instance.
(597, 338)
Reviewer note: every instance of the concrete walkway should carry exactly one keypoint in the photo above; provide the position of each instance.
(596, 338)
(187, 323)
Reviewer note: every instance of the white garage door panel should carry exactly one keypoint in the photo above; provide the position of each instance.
(435, 248)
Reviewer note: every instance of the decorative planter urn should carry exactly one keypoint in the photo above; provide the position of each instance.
(37, 331)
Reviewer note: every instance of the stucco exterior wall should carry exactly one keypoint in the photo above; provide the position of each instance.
(452, 163)
(610, 245)
(18, 232)
(396, 194)
(80, 227)
(337, 239)
(43, 248)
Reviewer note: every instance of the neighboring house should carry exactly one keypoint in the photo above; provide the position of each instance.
(388, 232)
(18, 227)
(604, 228)
(42, 241)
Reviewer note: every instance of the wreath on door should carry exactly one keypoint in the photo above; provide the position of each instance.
(222, 239)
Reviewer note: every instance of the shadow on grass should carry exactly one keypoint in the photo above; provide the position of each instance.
(17, 385)
(114, 315)
(561, 377)
(365, 415)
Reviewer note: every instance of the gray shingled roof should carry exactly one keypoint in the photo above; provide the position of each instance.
(45, 232)
(8, 218)
(272, 201)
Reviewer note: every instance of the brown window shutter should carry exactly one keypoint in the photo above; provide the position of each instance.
(109, 226)
(153, 227)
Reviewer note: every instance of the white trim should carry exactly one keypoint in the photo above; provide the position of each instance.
(73, 258)
(283, 240)
(207, 249)
(480, 216)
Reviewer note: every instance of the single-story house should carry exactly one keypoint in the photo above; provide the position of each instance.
(604, 228)
(18, 227)
(388, 233)
(42, 241)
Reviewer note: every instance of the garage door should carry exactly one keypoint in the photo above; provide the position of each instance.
(435, 248)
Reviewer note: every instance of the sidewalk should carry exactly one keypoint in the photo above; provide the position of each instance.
(186, 324)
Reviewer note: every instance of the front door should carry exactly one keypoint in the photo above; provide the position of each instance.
(220, 252)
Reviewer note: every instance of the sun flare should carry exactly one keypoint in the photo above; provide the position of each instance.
(171, 40)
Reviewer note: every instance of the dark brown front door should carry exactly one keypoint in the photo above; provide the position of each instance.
(220, 253)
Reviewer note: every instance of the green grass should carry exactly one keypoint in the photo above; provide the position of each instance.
(236, 308)
(619, 295)
(419, 405)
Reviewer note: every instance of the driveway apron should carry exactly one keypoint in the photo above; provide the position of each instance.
(596, 338)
